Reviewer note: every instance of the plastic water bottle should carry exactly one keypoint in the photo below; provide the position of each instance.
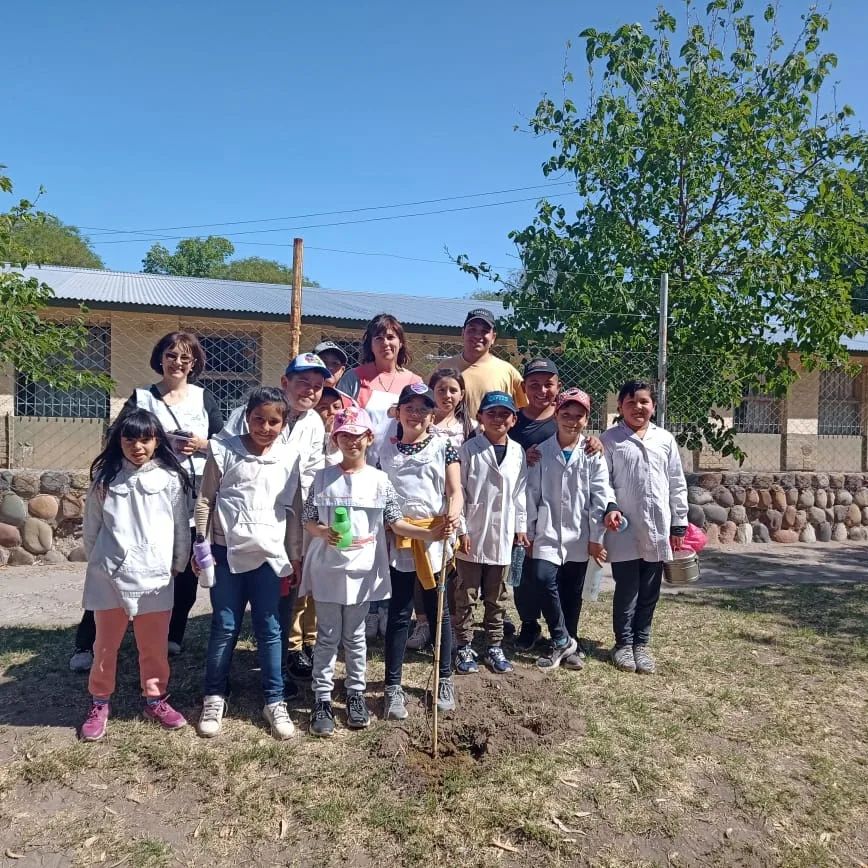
(205, 561)
(623, 525)
(341, 525)
(593, 581)
(515, 567)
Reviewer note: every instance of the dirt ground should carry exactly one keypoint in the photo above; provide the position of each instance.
(748, 748)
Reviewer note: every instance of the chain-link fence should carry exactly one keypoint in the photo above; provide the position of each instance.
(819, 425)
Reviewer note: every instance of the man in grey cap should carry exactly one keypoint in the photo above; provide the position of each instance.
(334, 358)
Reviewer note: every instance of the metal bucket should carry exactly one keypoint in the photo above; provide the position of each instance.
(683, 570)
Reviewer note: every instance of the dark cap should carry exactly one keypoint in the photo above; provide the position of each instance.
(497, 399)
(417, 390)
(540, 366)
(480, 313)
(331, 347)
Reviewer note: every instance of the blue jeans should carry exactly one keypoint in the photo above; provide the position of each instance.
(559, 595)
(229, 598)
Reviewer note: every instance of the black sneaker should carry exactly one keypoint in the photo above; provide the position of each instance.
(322, 719)
(358, 716)
(299, 665)
(528, 636)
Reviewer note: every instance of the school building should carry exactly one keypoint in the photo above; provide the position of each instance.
(244, 329)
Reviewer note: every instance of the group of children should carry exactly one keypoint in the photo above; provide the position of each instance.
(304, 523)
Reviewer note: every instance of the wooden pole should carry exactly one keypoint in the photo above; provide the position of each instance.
(663, 352)
(295, 302)
(438, 631)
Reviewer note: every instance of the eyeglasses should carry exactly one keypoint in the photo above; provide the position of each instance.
(174, 357)
(416, 411)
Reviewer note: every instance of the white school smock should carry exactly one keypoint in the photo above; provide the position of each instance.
(566, 502)
(136, 535)
(255, 494)
(360, 573)
(306, 434)
(191, 416)
(650, 489)
(420, 482)
(495, 506)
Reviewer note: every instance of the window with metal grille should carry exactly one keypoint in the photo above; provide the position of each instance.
(758, 413)
(39, 399)
(233, 366)
(840, 407)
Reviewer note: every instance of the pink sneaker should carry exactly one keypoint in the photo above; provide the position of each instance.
(94, 727)
(163, 713)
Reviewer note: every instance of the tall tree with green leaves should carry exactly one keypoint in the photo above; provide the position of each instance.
(52, 242)
(39, 348)
(259, 270)
(726, 165)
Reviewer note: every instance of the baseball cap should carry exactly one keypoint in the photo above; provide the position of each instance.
(497, 399)
(574, 395)
(307, 362)
(417, 390)
(540, 366)
(331, 347)
(352, 420)
(480, 313)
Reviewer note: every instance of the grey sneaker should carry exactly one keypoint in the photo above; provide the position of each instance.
(394, 707)
(446, 695)
(358, 716)
(622, 657)
(645, 664)
(211, 719)
(557, 653)
(81, 660)
(279, 720)
(574, 661)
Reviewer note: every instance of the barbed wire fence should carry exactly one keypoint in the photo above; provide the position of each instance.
(820, 425)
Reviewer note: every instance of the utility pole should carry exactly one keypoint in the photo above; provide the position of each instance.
(295, 300)
(662, 350)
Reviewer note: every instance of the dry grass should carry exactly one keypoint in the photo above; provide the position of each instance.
(748, 748)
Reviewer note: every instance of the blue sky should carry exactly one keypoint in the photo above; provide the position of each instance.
(167, 114)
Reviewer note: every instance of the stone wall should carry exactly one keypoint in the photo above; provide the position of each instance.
(40, 516)
(779, 507)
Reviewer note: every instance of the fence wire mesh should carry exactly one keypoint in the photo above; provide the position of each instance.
(819, 425)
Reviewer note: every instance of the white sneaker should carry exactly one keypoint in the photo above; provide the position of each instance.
(421, 637)
(174, 649)
(278, 718)
(372, 624)
(81, 661)
(211, 719)
(383, 621)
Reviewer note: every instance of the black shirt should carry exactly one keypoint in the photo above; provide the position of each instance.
(529, 432)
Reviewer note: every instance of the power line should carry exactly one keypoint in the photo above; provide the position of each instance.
(327, 213)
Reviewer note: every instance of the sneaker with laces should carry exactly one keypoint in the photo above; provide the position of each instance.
(645, 664)
(96, 722)
(465, 660)
(174, 648)
(574, 661)
(299, 665)
(528, 636)
(372, 625)
(322, 719)
(394, 703)
(446, 695)
(163, 713)
(358, 716)
(383, 621)
(622, 657)
(211, 719)
(81, 660)
(496, 660)
(556, 653)
(279, 720)
(421, 637)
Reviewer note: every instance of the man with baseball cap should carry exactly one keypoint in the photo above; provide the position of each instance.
(335, 359)
(482, 371)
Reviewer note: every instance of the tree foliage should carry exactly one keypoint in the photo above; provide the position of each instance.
(720, 163)
(206, 257)
(49, 241)
(39, 348)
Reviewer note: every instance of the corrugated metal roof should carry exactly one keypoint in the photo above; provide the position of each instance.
(229, 296)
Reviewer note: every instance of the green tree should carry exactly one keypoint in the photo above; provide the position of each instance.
(40, 349)
(718, 163)
(52, 242)
(259, 270)
(193, 257)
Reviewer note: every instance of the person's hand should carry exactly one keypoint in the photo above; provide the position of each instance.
(532, 455)
(464, 544)
(598, 552)
(612, 521)
(454, 515)
(522, 540)
(439, 530)
(677, 543)
(194, 565)
(332, 537)
(295, 578)
(189, 445)
(593, 445)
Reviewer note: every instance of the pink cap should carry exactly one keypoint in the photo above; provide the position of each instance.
(576, 395)
(353, 420)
